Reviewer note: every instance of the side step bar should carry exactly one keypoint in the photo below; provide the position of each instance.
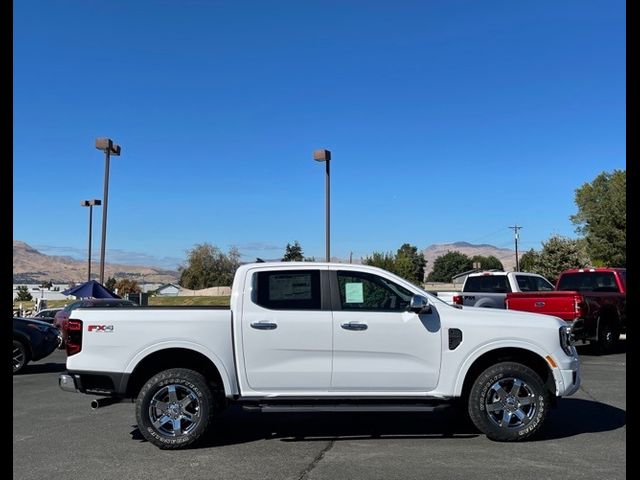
(283, 408)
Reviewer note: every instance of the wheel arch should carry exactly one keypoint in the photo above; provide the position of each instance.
(176, 357)
(527, 357)
(485, 303)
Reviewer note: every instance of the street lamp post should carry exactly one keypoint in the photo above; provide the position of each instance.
(109, 148)
(325, 156)
(90, 203)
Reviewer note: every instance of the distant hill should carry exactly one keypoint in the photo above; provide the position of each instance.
(31, 266)
(505, 255)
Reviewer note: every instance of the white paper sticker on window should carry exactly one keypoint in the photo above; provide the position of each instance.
(353, 293)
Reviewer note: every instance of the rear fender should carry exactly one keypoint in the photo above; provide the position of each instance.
(225, 375)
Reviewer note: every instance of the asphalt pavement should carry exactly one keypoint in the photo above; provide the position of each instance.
(56, 435)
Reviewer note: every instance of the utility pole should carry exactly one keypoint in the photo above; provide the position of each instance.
(515, 234)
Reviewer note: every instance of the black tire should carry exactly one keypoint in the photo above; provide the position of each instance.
(505, 414)
(20, 356)
(179, 419)
(608, 336)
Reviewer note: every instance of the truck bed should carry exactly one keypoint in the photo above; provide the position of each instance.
(116, 339)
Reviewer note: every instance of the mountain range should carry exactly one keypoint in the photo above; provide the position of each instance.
(30, 266)
(505, 255)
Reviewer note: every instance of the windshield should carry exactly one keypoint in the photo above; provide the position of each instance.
(588, 281)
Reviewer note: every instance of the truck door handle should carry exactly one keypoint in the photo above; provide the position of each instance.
(264, 325)
(354, 326)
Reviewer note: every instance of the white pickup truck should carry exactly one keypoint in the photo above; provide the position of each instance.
(489, 289)
(321, 336)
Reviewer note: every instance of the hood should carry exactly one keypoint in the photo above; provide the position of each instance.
(497, 316)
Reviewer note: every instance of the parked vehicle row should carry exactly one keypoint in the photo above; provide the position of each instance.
(593, 300)
(489, 289)
(304, 336)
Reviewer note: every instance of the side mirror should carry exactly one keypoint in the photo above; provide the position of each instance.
(419, 304)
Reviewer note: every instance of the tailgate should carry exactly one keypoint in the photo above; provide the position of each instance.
(558, 304)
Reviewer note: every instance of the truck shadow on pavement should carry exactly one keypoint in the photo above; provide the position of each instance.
(43, 368)
(574, 416)
(589, 350)
(235, 426)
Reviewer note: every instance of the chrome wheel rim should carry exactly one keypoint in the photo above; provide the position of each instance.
(18, 357)
(510, 403)
(174, 410)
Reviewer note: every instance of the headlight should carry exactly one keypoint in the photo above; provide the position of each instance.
(566, 340)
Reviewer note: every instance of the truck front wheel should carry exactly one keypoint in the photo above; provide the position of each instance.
(174, 408)
(508, 402)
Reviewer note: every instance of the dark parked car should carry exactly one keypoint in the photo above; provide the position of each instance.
(47, 314)
(32, 340)
(60, 320)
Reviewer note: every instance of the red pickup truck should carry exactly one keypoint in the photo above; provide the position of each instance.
(593, 300)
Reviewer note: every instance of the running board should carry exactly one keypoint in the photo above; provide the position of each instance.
(283, 408)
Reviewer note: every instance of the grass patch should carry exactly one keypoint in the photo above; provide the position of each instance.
(189, 300)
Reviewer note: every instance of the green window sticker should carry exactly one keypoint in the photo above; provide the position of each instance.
(353, 293)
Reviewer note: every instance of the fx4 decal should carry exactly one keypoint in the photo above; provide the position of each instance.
(100, 328)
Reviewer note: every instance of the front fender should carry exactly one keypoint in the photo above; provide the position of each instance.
(466, 364)
(196, 347)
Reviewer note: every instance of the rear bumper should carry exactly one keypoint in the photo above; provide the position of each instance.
(98, 383)
(67, 383)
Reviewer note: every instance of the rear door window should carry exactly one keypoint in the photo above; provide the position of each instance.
(487, 284)
(288, 289)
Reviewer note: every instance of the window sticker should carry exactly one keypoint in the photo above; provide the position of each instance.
(353, 293)
(289, 287)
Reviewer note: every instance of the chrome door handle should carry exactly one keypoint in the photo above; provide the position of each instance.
(264, 325)
(354, 326)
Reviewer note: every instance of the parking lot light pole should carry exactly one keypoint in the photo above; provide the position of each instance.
(90, 203)
(109, 148)
(325, 156)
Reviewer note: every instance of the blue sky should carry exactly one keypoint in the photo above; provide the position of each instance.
(447, 120)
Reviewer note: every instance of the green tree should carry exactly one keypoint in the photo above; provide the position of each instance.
(110, 284)
(23, 294)
(386, 261)
(528, 262)
(448, 265)
(487, 263)
(409, 264)
(602, 218)
(127, 285)
(207, 266)
(293, 253)
(46, 285)
(559, 254)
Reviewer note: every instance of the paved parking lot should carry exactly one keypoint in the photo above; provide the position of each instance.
(57, 436)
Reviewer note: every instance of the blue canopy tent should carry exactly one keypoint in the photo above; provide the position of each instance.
(90, 289)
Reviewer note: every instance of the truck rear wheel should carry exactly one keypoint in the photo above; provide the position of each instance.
(174, 408)
(508, 402)
(608, 336)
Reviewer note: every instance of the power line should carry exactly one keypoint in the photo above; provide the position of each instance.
(515, 229)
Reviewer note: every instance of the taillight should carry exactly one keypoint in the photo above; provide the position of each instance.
(580, 307)
(457, 299)
(74, 336)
